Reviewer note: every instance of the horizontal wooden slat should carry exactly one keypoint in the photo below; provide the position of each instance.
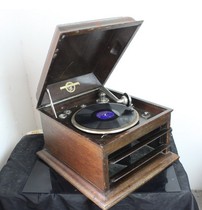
(138, 146)
(137, 164)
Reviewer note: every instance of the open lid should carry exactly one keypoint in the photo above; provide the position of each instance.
(82, 56)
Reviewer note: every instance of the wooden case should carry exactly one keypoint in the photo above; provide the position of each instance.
(106, 168)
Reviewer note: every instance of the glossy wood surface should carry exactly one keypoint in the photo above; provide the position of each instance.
(79, 153)
(87, 154)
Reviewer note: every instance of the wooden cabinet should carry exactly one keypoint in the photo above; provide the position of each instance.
(104, 167)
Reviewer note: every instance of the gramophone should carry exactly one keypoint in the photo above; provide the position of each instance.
(104, 142)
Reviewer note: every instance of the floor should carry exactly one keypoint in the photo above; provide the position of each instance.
(198, 196)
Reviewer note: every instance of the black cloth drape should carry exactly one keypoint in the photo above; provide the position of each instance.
(26, 183)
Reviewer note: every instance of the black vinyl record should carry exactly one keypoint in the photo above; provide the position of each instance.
(105, 118)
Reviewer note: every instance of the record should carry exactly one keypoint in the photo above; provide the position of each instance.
(105, 118)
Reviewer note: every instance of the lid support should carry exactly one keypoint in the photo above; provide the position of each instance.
(51, 102)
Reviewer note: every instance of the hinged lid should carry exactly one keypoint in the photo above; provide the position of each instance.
(82, 56)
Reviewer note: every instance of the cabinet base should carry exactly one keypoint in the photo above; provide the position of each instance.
(107, 199)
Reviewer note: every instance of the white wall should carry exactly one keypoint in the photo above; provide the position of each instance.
(164, 59)
(16, 109)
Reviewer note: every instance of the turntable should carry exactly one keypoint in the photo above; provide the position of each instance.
(105, 143)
